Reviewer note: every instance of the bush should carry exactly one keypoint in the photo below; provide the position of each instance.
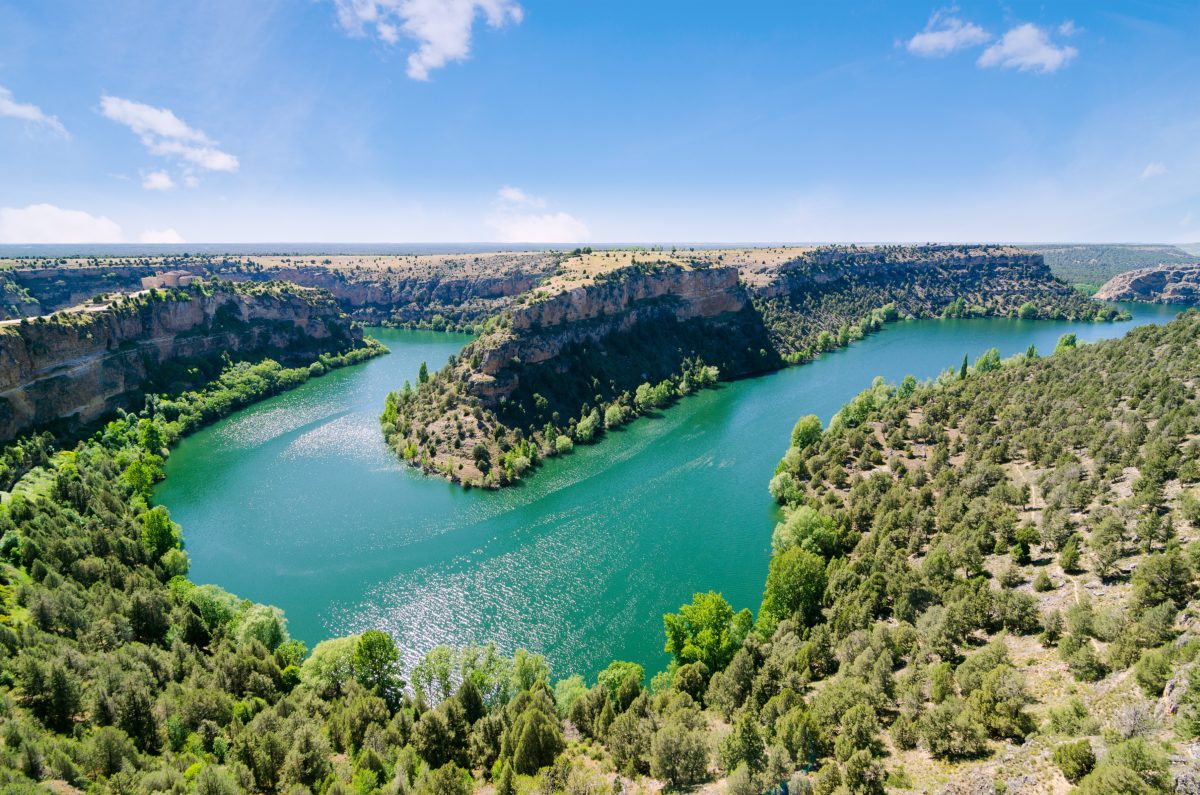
(678, 755)
(1112, 780)
(1075, 760)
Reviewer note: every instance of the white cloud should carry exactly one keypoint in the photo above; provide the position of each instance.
(533, 228)
(1068, 28)
(441, 29)
(31, 113)
(513, 195)
(1152, 170)
(513, 221)
(166, 135)
(945, 34)
(158, 180)
(1027, 48)
(45, 223)
(160, 236)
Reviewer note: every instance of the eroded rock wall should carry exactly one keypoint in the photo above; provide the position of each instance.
(74, 367)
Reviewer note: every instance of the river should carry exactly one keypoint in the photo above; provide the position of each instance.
(297, 502)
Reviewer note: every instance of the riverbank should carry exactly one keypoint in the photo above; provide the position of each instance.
(297, 502)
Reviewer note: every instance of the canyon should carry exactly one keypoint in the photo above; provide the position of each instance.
(566, 360)
(74, 367)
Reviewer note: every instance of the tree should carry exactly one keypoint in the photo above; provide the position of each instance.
(806, 431)
(808, 528)
(743, 745)
(962, 371)
(859, 731)
(705, 631)
(864, 774)
(330, 665)
(1066, 342)
(534, 739)
(678, 755)
(1068, 556)
(159, 533)
(307, 762)
(795, 587)
(423, 374)
(1106, 543)
(989, 361)
(449, 779)
(375, 659)
(1162, 578)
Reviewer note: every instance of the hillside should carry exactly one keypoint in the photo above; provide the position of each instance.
(1163, 284)
(981, 582)
(1089, 266)
(1020, 543)
(613, 335)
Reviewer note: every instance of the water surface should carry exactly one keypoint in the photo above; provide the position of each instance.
(297, 502)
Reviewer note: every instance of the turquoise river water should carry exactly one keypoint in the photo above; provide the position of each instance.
(297, 502)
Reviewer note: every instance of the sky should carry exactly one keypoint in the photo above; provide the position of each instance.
(598, 121)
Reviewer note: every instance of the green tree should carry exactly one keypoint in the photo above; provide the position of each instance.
(795, 587)
(743, 745)
(423, 374)
(159, 533)
(678, 755)
(806, 431)
(375, 665)
(534, 739)
(1162, 578)
(706, 631)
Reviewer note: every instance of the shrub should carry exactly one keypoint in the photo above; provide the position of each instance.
(1075, 760)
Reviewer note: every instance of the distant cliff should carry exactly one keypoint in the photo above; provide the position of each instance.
(1163, 284)
(574, 359)
(612, 335)
(447, 291)
(813, 302)
(535, 353)
(73, 367)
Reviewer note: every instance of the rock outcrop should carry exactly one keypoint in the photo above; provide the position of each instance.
(540, 331)
(569, 357)
(450, 290)
(1163, 284)
(72, 368)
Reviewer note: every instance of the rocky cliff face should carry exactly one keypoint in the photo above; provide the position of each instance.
(380, 297)
(452, 290)
(541, 330)
(74, 367)
(1163, 284)
(606, 324)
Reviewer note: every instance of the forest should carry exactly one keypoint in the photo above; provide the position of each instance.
(990, 574)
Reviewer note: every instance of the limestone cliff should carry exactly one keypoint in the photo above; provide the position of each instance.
(612, 334)
(445, 290)
(1163, 284)
(73, 367)
(541, 330)
(579, 346)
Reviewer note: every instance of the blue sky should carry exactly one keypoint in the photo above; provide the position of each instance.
(601, 122)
